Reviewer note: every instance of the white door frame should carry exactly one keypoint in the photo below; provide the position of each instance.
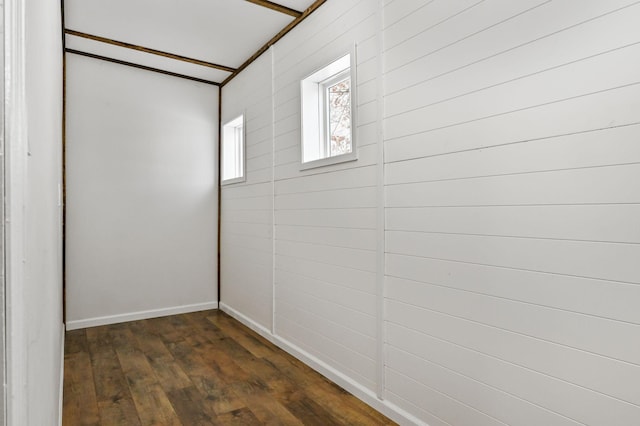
(3, 342)
(15, 167)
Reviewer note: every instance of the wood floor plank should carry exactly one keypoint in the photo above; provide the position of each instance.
(181, 324)
(99, 339)
(240, 417)
(219, 399)
(345, 409)
(190, 408)
(310, 413)
(223, 363)
(154, 408)
(217, 394)
(278, 383)
(136, 368)
(242, 335)
(170, 375)
(295, 370)
(203, 368)
(202, 322)
(75, 341)
(269, 411)
(110, 382)
(249, 387)
(118, 412)
(79, 396)
(122, 338)
(150, 342)
(164, 327)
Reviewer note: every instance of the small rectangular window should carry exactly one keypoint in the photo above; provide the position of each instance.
(337, 134)
(327, 115)
(233, 151)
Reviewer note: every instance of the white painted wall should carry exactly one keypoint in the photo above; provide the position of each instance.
(510, 196)
(141, 193)
(247, 208)
(34, 142)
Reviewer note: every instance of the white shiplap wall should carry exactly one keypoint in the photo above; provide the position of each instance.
(325, 241)
(511, 198)
(325, 217)
(246, 257)
(511, 143)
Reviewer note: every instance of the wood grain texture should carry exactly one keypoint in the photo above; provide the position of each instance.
(203, 368)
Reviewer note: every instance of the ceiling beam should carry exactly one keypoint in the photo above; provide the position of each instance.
(142, 67)
(148, 50)
(277, 7)
(316, 4)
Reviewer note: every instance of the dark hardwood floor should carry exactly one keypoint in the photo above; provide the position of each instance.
(194, 369)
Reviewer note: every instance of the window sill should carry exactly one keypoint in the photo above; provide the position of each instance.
(234, 180)
(344, 158)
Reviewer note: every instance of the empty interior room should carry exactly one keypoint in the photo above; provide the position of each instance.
(422, 212)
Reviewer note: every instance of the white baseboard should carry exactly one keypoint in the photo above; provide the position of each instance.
(134, 316)
(258, 328)
(368, 396)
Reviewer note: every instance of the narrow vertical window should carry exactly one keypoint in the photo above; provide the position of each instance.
(233, 151)
(338, 120)
(327, 115)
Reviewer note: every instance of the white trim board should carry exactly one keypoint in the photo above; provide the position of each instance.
(61, 395)
(15, 158)
(140, 315)
(369, 397)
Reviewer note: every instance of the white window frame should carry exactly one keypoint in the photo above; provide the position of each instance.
(238, 127)
(324, 86)
(314, 112)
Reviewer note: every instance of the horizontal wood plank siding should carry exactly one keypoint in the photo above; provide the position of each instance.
(511, 172)
(325, 217)
(511, 201)
(246, 256)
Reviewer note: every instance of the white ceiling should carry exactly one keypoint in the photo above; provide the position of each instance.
(300, 5)
(222, 32)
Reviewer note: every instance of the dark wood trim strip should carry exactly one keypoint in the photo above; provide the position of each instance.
(277, 7)
(142, 67)
(148, 50)
(219, 192)
(275, 39)
(62, 23)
